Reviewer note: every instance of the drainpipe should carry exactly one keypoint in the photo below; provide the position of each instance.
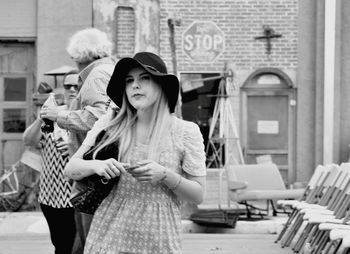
(329, 62)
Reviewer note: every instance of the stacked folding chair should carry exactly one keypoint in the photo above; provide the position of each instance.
(344, 241)
(325, 224)
(313, 190)
(331, 208)
(332, 232)
(337, 236)
(329, 177)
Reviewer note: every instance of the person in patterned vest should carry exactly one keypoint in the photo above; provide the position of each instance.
(55, 189)
(91, 51)
(161, 162)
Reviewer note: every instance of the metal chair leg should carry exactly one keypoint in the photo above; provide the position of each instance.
(302, 238)
(309, 239)
(287, 239)
(332, 244)
(337, 247)
(321, 243)
(285, 227)
(346, 251)
(316, 238)
(328, 246)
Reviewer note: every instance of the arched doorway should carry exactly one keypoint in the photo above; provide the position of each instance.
(268, 102)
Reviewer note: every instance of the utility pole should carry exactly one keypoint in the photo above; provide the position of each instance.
(171, 24)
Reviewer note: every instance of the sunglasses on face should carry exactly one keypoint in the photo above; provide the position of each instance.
(69, 86)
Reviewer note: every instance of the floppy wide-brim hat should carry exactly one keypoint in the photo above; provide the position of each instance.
(154, 65)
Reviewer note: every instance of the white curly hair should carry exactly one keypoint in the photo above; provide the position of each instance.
(89, 44)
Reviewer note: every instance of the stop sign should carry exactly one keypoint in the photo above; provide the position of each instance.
(203, 41)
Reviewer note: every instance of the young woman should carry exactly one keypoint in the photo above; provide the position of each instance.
(161, 161)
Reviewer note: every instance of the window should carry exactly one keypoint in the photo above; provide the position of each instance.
(14, 120)
(15, 89)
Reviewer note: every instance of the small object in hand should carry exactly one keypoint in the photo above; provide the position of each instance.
(131, 167)
(44, 88)
(48, 124)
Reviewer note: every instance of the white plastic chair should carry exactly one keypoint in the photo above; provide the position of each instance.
(256, 182)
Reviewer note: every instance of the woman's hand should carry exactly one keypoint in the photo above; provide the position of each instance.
(148, 171)
(108, 169)
(62, 146)
(49, 113)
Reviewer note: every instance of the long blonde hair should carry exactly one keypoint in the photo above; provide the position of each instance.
(122, 128)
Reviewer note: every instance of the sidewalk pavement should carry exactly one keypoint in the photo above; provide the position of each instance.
(34, 222)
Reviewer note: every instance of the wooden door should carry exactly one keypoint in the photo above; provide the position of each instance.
(16, 86)
(268, 122)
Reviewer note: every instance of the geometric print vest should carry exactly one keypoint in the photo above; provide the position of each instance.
(55, 189)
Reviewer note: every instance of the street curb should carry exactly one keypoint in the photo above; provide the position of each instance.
(35, 223)
(266, 226)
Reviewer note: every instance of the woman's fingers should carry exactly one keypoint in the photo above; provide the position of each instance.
(62, 147)
(119, 166)
(113, 169)
(144, 162)
(60, 142)
(115, 166)
(139, 170)
(64, 152)
(105, 174)
(105, 169)
(143, 178)
(111, 172)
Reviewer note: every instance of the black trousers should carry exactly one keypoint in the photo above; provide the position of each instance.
(83, 222)
(62, 227)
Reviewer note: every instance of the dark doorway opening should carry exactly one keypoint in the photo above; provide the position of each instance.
(198, 99)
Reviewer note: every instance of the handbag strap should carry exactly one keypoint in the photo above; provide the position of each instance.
(110, 151)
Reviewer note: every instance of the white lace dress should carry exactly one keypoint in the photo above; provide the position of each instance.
(141, 218)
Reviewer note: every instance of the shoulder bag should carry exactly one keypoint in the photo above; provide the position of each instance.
(95, 188)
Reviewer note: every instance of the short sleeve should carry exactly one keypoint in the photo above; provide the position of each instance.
(99, 125)
(193, 155)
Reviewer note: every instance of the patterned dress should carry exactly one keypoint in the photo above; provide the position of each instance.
(54, 188)
(141, 218)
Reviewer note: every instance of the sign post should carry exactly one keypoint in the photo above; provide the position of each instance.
(203, 41)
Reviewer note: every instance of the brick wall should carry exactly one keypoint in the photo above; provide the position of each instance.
(241, 21)
(125, 34)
